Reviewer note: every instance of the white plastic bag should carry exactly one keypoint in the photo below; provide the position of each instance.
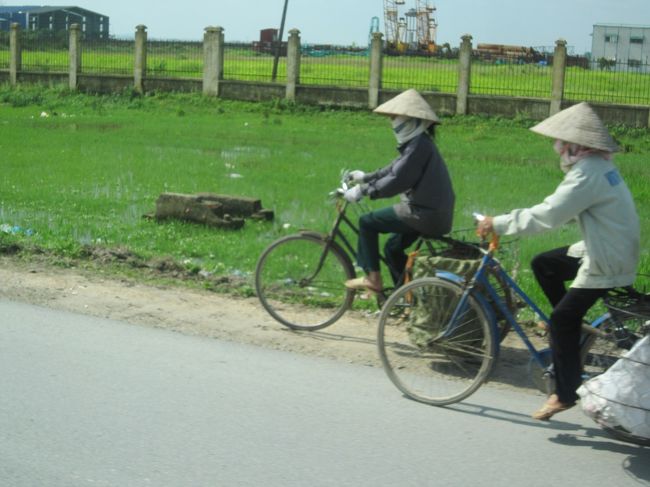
(620, 397)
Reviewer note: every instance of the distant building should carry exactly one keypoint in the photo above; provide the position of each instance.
(621, 47)
(55, 19)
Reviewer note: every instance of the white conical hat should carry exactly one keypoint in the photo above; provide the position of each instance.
(409, 104)
(580, 125)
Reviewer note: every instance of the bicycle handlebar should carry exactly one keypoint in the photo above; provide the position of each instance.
(343, 186)
(494, 238)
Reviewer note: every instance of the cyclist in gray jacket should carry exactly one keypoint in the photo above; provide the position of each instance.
(419, 176)
(594, 194)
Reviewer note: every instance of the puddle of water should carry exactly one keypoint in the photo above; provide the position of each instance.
(237, 153)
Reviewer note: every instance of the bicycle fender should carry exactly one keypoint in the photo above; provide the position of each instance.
(489, 312)
(311, 233)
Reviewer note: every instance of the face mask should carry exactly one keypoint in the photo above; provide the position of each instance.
(407, 128)
(564, 150)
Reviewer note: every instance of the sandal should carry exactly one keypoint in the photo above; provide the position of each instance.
(362, 283)
(548, 410)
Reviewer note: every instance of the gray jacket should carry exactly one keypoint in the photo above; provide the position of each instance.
(594, 194)
(419, 175)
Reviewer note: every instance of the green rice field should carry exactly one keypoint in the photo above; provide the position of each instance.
(80, 171)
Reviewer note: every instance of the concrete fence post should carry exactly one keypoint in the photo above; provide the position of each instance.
(464, 74)
(15, 53)
(212, 60)
(376, 69)
(559, 71)
(74, 50)
(140, 65)
(293, 64)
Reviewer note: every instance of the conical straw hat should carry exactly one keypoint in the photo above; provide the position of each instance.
(409, 104)
(580, 125)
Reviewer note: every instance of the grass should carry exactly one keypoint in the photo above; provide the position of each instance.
(85, 174)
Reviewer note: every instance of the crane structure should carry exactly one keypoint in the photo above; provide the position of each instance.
(391, 22)
(413, 30)
(426, 25)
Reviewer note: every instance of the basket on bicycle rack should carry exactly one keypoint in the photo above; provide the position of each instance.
(456, 249)
(450, 255)
(461, 258)
(628, 304)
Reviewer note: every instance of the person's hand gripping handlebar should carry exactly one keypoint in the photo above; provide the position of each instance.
(485, 230)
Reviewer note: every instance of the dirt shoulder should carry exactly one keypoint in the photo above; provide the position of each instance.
(200, 312)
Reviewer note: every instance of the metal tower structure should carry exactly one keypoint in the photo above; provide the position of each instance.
(414, 30)
(426, 25)
(374, 27)
(392, 22)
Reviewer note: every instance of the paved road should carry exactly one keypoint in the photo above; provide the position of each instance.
(91, 402)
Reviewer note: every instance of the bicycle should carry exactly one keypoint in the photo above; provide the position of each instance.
(299, 278)
(438, 336)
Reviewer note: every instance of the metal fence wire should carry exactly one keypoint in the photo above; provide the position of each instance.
(172, 59)
(45, 52)
(4, 50)
(493, 72)
(107, 56)
(511, 75)
(253, 62)
(609, 82)
(334, 65)
(426, 73)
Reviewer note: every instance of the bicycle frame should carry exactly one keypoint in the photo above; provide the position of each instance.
(488, 261)
(336, 236)
(335, 232)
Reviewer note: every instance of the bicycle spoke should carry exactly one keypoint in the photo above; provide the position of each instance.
(300, 280)
(427, 357)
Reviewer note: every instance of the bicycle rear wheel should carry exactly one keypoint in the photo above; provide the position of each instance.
(300, 282)
(603, 345)
(426, 356)
(624, 435)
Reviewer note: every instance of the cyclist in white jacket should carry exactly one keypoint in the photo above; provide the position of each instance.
(593, 194)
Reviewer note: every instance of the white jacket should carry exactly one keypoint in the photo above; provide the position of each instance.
(594, 194)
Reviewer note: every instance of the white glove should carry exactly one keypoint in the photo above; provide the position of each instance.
(356, 176)
(353, 194)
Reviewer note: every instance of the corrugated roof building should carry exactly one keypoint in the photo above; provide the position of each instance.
(621, 47)
(55, 19)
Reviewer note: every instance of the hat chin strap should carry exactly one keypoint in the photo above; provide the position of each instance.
(407, 128)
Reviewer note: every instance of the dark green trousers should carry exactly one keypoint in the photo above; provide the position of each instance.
(384, 220)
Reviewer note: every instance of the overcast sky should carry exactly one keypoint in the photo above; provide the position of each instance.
(344, 22)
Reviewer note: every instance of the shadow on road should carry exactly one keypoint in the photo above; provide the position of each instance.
(511, 368)
(636, 465)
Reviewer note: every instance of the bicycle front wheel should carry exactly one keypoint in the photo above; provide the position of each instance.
(300, 281)
(426, 355)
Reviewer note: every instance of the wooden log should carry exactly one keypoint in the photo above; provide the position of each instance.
(233, 205)
(263, 214)
(193, 208)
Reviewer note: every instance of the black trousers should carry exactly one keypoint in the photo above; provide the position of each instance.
(552, 269)
(384, 220)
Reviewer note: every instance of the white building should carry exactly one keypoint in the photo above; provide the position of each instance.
(623, 47)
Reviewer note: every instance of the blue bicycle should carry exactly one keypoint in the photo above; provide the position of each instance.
(439, 337)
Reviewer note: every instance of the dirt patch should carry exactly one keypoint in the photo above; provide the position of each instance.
(93, 291)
